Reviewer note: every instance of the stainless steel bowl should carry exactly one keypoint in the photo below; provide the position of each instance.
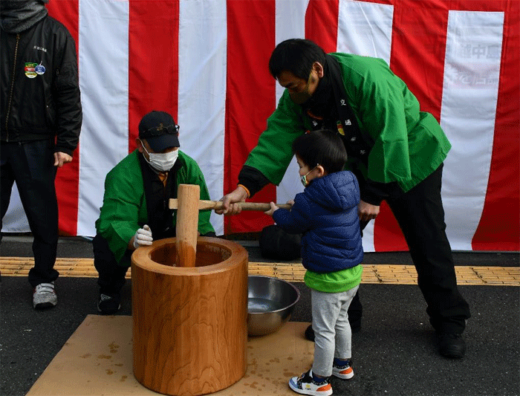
(270, 304)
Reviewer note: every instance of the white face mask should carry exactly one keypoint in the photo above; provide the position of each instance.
(162, 162)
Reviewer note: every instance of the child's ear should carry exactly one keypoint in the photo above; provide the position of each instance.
(321, 171)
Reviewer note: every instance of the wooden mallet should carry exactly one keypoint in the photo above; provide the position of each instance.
(188, 205)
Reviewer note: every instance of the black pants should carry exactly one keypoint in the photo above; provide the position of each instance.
(111, 277)
(420, 215)
(31, 166)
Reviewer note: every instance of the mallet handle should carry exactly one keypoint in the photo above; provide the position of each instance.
(187, 223)
(211, 205)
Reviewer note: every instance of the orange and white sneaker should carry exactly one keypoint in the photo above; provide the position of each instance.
(306, 385)
(344, 371)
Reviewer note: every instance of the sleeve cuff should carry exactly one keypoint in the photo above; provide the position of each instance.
(63, 150)
(251, 180)
(371, 198)
(245, 188)
(373, 192)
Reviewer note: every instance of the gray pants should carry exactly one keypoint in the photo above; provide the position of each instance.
(333, 336)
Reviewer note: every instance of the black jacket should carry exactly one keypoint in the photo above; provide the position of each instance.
(37, 103)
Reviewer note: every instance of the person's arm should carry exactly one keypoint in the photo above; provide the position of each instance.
(120, 215)
(296, 220)
(372, 193)
(66, 93)
(382, 104)
(273, 153)
(269, 160)
(252, 180)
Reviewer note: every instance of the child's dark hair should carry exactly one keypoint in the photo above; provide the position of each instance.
(323, 147)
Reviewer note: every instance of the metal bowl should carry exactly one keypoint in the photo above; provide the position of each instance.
(270, 304)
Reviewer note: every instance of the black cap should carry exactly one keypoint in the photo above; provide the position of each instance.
(159, 130)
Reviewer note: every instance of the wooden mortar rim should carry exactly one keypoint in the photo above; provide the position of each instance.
(142, 258)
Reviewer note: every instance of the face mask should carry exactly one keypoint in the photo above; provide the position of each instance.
(303, 178)
(162, 162)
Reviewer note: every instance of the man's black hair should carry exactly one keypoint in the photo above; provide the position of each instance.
(296, 56)
(322, 147)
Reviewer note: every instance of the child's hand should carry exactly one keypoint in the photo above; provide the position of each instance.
(291, 202)
(272, 210)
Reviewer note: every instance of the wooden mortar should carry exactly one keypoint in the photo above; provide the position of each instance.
(189, 323)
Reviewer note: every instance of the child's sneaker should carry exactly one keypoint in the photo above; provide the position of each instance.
(344, 371)
(305, 385)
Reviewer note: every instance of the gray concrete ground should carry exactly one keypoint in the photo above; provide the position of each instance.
(394, 354)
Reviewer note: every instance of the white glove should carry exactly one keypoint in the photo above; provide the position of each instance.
(143, 237)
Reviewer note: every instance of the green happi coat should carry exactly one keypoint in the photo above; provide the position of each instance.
(407, 145)
(124, 208)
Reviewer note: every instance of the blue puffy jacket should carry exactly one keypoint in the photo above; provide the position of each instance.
(327, 215)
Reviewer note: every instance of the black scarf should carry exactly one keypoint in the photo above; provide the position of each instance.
(17, 16)
(329, 108)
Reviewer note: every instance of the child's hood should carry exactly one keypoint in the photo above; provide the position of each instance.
(338, 191)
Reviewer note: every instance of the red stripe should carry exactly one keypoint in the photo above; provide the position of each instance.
(153, 63)
(321, 23)
(499, 227)
(250, 99)
(67, 178)
(417, 57)
(321, 26)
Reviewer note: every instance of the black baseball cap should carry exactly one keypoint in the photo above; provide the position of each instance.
(159, 130)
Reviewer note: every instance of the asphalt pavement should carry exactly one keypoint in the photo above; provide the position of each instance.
(394, 354)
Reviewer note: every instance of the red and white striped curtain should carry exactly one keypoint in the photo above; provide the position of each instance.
(205, 62)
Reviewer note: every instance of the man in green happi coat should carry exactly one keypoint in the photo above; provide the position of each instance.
(135, 209)
(395, 150)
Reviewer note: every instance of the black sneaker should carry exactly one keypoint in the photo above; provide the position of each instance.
(451, 345)
(309, 332)
(355, 326)
(109, 304)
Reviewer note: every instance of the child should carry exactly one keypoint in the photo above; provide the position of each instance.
(326, 213)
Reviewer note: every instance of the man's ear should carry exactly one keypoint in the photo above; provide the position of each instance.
(318, 67)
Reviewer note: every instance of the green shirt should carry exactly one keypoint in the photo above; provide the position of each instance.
(408, 144)
(334, 282)
(124, 208)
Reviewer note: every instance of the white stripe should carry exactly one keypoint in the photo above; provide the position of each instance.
(103, 67)
(470, 92)
(15, 219)
(290, 23)
(202, 90)
(365, 29)
(368, 237)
